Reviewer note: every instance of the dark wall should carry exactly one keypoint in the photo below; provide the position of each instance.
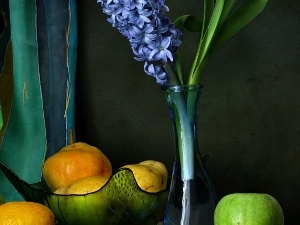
(249, 120)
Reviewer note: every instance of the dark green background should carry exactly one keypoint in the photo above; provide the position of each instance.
(249, 120)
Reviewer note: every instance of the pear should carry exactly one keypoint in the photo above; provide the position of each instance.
(83, 186)
(151, 176)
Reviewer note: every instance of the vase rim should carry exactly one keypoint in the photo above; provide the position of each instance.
(179, 87)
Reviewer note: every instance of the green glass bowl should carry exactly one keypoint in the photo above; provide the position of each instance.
(119, 201)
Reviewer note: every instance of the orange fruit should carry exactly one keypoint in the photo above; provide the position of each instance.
(73, 162)
(25, 213)
(84, 185)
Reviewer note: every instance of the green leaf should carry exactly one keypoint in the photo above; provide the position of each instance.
(238, 20)
(223, 25)
(208, 9)
(192, 24)
(188, 22)
(228, 5)
(205, 42)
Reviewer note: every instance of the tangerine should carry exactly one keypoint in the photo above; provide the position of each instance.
(25, 213)
(73, 162)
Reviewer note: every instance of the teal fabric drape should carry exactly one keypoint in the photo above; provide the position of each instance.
(43, 39)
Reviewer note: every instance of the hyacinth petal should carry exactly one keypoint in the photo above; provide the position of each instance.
(149, 29)
(144, 18)
(166, 42)
(157, 72)
(161, 56)
(136, 31)
(149, 69)
(169, 55)
(152, 54)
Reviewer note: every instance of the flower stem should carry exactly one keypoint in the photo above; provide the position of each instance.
(184, 130)
(172, 75)
(183, 124)
(185, 138)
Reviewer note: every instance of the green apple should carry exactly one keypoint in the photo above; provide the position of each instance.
(248, 209)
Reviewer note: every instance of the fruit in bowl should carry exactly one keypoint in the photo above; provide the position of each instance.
(150, 175)
(25, 213)
(95, 199)
(73, 162)
(248, 209)
(83, 186)
(122, 198)
(80, 168)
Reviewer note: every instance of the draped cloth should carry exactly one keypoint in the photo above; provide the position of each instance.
(38, 51)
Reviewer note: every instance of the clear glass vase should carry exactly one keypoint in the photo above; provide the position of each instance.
(192, 197)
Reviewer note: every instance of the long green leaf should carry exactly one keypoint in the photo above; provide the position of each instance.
(225, 30)
(238, 20)
(228, 5)
(188, 22)
(208, 9)
(192, 24)
(206, 42)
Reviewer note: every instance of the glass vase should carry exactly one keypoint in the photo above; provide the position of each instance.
(192, 197)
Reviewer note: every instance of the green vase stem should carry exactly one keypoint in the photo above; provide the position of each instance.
(185, 136)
